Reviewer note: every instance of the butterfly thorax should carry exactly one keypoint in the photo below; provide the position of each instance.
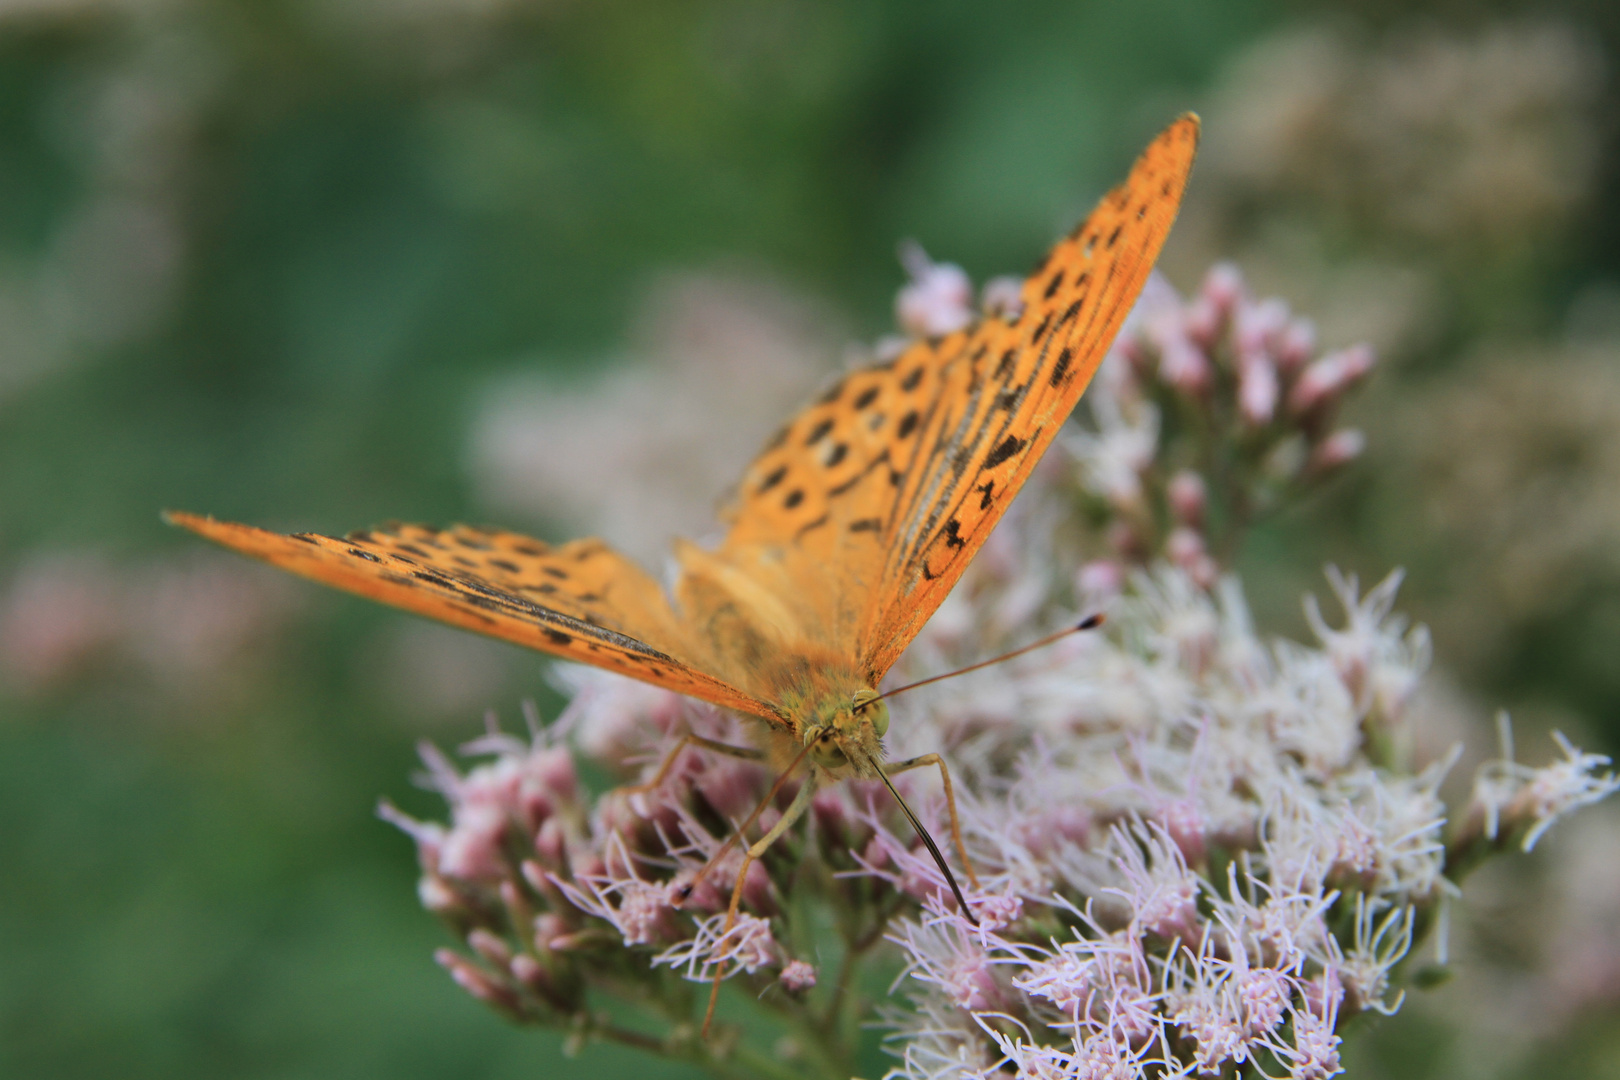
(833, 714)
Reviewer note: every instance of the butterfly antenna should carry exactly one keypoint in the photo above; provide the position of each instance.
(1090, 622)
(933, 848)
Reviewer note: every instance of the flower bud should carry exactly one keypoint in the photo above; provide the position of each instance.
(1257, 389)
(490, 947)
(1188, 497)
(1223, 286)
(939, 298)
(1329, 377)
(1184, 366)
(1002, 297)
(1339, 448)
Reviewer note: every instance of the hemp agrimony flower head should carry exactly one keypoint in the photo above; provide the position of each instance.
(1197, 851)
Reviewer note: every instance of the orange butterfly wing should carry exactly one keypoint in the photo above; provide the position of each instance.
(582, 601)
(870, 504)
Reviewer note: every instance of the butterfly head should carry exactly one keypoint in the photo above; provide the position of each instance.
(843, 731)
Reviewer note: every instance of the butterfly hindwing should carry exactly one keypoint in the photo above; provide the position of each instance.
(869, 505)
(582, 600)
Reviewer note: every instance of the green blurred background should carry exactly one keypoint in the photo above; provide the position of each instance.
(293, 262)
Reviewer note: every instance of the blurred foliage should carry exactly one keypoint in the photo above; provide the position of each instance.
(260, 259)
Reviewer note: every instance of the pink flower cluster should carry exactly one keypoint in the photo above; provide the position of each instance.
(1198, 850)
(1222, 377)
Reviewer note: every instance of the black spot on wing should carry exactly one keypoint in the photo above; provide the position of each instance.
(988, 490)
(1005, 449)
(908, 424)
(818, 432)
(1053, 285)
(870, 524)
(775, 477)
(794, 498)
(913, 377)
(1060, 370)
(366, 555)
(867, 396)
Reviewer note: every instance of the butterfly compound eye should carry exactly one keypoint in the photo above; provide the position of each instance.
(866, 704)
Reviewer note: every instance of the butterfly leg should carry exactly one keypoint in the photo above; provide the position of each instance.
(895, 768)
(795, 810)
(746, 753)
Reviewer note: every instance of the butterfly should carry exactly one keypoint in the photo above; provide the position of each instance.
(845, 534)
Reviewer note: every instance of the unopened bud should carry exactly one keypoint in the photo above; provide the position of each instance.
(530, 972)
(1257, 389)
(1223, 286)
(1183, 365)
(1188, 497)
(436, 895)
(1339, 448)
(1002, 297)
(476, 982)
(1297, 344)
(547, 929)
(551, 842)
(1329, 377)
(490, 947)
(939, 298)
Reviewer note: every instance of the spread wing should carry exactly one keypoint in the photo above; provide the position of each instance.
(582, 601)
(868, 506)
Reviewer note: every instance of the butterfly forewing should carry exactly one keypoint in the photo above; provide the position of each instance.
(848, 530)
(869, 505)
(582, 600)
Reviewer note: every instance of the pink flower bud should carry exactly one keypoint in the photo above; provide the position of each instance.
(797, 976)
(1223, 286)
(475, 982)
(1257, 389)
(1203, 321)
(436, 895)
(530, 972)
(1184, 366)
(1297, 344)
(547, 929)
(939, 298)
(1339, 448)
(1188, 497)
(1002, 297)
(551, 843)
(490, 947)
(534, 874)
(1257, 328)
(1329, 377)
